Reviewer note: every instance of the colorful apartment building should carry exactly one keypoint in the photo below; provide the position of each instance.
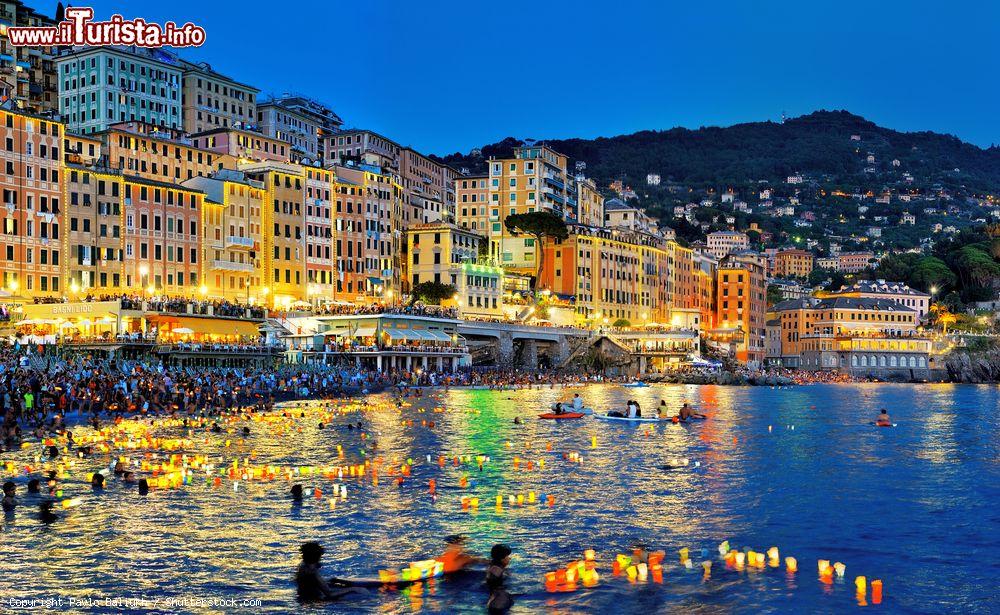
(370, 250)
(241, 144)
(162, 237)
(31, 244)
(793, 263)
(297, 129)
(472, 203)
(321, 267)
(899, 292)
(850, 334)
(854, 262)
(740, 309)
(535, 179)
(232, 236)
(610, 274)
(95, 230)
(101, 86)
(283, 224)
(721, 243)
(27, 74)
(325, 119)
(447, 254)
(589, 203)
(211, 100)
(152, 152)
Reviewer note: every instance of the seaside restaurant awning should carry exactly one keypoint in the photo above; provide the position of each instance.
(407, 335)
(210, 327)
(359, 331)
(438, 335)
(92, 316)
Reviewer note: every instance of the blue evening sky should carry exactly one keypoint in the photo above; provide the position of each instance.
(443, 76)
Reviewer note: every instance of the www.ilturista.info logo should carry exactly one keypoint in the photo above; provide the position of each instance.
(79, 29)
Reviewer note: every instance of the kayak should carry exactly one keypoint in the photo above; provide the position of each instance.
(677, 419)
(626, 419)
(570, 410)
(883, 424)
(635, 385)
(564, 415)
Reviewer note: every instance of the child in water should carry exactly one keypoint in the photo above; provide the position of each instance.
(500, 601)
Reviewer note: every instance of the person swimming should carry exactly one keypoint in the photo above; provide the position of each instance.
(9, 501)
(45, 514)
(33, 486)
(143, 486)
(500, 600)
(455, 557)
(310, 585)
(297, 493)
(97, 481)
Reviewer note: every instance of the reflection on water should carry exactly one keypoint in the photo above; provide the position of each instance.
(799, 468)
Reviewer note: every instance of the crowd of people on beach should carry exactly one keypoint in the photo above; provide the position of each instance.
(175, 305)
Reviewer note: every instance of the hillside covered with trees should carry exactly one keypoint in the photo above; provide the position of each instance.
(818, 145)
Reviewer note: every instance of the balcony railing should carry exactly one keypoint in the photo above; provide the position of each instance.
(231, 266)
(242, 242)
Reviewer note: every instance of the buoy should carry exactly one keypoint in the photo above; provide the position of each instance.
(839, 568)
(877, 591)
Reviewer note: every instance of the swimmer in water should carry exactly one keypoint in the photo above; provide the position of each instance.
(45, 514)
(33, 486)
(517, 420)
(97, 482)
(311, 586)
(143, 486)
(9, 502)
(297, 493)
(500, 600)
(455, 557)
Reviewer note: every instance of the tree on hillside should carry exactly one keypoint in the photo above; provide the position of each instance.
(931, 271)
(540, 225)
(432, 292)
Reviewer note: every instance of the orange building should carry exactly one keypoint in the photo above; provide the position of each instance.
(162, 237)
(30, 242)
(741, 304)
(793, 263)
(610, 274)
(368, 223)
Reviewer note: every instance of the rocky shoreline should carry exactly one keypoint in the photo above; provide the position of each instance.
(979, 368)
(722, 378)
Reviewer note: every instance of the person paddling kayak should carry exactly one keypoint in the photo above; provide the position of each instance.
(686, 412)
(883, 419)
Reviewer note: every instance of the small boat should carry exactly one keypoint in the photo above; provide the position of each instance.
(638, 384)
(564, 415)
